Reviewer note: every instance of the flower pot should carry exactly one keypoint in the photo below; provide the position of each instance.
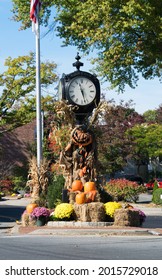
(40, 221)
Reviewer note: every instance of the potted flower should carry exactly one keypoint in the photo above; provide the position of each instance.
(41, 214)
(142, 215)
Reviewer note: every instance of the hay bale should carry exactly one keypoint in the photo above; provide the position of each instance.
(126, 217)
(89, 212)
(27, 220)
(72, 196)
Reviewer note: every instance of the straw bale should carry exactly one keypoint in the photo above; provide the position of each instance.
(27, 220)
(89, 212)
(126, 217)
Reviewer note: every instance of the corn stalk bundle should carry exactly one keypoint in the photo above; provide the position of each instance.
(37, 178)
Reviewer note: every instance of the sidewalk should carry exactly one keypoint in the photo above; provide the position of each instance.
(152, 225)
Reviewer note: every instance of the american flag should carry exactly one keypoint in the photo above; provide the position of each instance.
(33, 10)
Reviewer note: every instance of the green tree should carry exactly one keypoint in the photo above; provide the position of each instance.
(147, 141)
(150, 116)
(127, 34)
(17, 83)
(114, 146)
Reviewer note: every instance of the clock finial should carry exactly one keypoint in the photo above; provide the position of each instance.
(78, 63)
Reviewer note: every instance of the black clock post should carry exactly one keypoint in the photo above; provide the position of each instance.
(81, 90)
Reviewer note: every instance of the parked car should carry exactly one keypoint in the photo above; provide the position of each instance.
(150, 185)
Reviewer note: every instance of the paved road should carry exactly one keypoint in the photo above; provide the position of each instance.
(81, 248)
(12, 209)
(10, 213)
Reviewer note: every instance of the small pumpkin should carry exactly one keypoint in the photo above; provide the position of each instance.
(80, 198)
(30, 207)
(89, 186)
(77, 185)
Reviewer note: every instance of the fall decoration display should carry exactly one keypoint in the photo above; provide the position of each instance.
(77, 185)
(30, 207)
(80, 198)
(89, 186)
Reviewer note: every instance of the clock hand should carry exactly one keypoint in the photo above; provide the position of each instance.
(81, 89)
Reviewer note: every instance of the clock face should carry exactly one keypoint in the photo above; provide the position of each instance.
(82, 91)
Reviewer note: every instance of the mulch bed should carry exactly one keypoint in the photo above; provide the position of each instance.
(26, 230)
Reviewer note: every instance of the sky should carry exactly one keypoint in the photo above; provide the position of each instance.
(146, 96)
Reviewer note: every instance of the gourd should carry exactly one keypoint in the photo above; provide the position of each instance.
(77, 185)
(80, 198)
(89, 186)
(30, 207)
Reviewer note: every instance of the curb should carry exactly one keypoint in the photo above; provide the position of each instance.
(78, 224)
(85, 230)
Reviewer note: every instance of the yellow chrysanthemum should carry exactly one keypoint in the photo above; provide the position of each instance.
(63, 210)
(110, 208)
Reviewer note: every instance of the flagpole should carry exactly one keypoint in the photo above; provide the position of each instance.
(38, 94)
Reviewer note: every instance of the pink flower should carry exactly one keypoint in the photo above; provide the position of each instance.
(40, 212)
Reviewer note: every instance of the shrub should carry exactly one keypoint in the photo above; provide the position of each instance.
(156, 196)
(6, 186)
(110, 208)
(54, 192)
(124, 189)
(19, 183)
(63, 211)
(155, 187)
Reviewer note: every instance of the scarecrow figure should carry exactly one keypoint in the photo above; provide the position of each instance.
(79, 156)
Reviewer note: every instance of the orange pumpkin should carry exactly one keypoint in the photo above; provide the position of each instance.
(30, 207)
(89, 186)
(77, 185)
(80, 198)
